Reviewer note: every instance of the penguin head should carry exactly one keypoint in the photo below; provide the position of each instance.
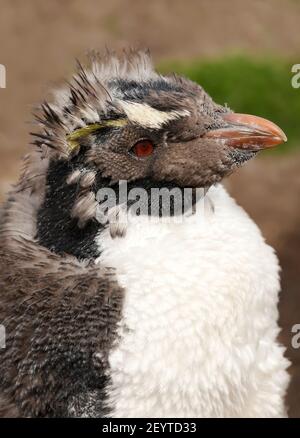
(120, 120)
(131, 123)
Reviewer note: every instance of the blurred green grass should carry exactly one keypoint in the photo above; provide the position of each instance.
(249, 85)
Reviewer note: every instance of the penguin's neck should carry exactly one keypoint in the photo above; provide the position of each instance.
(60, 233)
(56, 229)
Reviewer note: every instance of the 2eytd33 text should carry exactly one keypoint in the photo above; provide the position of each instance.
(131, 429)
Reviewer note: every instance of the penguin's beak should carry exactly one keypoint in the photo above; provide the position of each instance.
(247, 132)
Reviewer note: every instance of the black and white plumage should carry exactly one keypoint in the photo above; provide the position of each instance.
(147, 319)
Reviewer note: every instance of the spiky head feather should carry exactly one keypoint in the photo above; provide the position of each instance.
(94, 99)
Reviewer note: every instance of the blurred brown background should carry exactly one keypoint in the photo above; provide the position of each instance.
(40, 39)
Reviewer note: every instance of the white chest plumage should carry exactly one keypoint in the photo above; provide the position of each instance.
(199, 327)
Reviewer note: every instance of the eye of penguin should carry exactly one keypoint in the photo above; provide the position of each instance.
(143, 148)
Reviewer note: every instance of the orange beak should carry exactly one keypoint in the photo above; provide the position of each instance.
(248, 132)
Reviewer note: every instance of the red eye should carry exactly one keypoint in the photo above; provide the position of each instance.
(143, 148)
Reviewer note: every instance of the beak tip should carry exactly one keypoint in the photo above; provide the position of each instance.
(282, 138)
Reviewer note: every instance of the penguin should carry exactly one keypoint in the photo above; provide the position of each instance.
(171, 313)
